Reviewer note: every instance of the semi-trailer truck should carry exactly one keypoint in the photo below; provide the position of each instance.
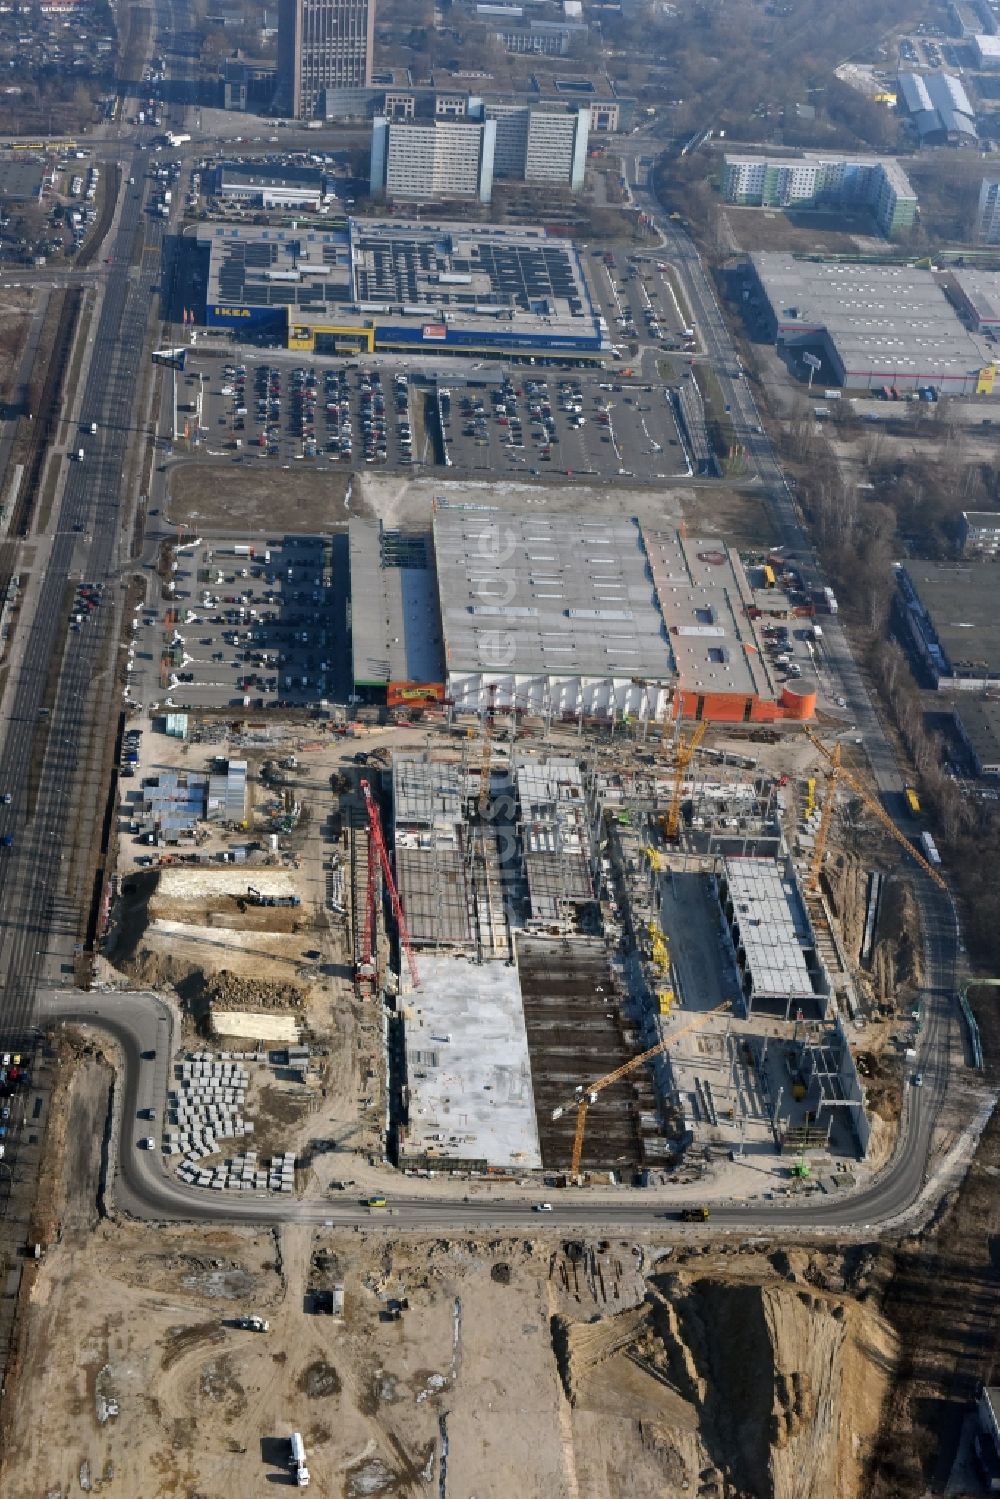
(298, 1460)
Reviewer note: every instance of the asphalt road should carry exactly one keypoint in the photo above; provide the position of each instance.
(41, 756)
(141, 1025)
(61, 694)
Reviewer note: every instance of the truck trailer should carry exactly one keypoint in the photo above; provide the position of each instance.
(298, 1460)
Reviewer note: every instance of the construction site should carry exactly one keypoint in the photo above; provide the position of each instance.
(651, 959)
(621, 962)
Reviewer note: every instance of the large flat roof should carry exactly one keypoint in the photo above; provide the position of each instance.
(771, 929)
(888, 319)
(395, 625)
(704, 594)
(20, 181)
(980, 719)
(981, 289)
(961, 602)
(409, 276)
(467, 1063)
(569, 596)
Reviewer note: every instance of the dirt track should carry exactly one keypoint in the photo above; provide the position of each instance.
(573, 1372)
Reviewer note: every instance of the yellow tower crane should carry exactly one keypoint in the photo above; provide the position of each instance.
(825, 818)
(878, 812)
(683, 755)
(588, 1095)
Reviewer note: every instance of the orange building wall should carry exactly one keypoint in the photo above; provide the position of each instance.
(738, 707)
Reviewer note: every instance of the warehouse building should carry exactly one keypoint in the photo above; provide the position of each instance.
(977, 296)
(813, 181)
(440, 158)
(951, 613)
(21, 181)
(987, 51)
(938, 108)
(575, 618)
(709, 606)
(554, 617)
(877, 327)
(977, 723)
(396, 650)
(393, 285)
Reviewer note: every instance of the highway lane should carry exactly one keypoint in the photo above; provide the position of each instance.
(44, 757)
(85, 542)
(62, 696)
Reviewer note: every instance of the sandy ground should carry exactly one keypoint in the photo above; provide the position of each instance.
(562, 1372)
(255, 499)
(211, 497)
(189, 929)
(15, 310)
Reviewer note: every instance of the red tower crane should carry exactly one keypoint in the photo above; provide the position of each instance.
(376, 844)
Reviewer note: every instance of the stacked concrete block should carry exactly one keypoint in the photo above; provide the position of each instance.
(205, 1109)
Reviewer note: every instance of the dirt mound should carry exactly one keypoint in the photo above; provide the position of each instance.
(319, 1380)
(845, 880)
(897, 955)
(229, 991)
(768, 1389)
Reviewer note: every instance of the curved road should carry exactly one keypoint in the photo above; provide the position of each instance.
(142, 1027)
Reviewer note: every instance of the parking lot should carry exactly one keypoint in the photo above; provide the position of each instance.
(251, 625)
(284, 412)
(563, 424)
(638, 300)
(350, 416)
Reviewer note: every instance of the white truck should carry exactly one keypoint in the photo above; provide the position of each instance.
(930, 850)
(298, 1461)
(253, 1323)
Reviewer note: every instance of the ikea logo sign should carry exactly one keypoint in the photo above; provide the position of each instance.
(232, 312)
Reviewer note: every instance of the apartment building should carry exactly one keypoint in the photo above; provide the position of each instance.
(540, 143)
(440, 158)
(988, 212)
(823, 182)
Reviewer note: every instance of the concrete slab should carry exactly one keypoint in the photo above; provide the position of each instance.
(467, 1066)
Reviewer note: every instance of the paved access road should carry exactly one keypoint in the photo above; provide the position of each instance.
(62, 695)
(144, 1187)
(57, 691)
